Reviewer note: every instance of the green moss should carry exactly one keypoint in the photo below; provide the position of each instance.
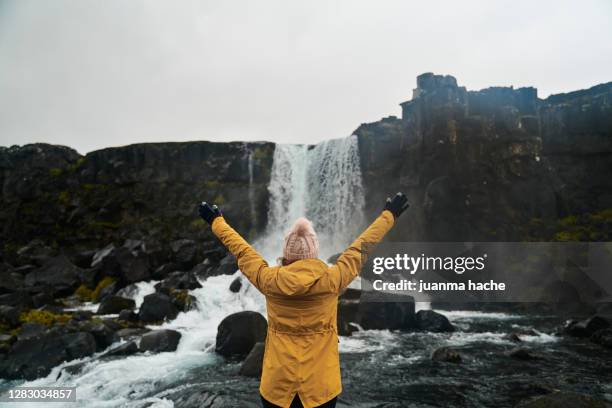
(84, 293)
(197, 223)
(260, 153)
(55, 171)
(211, 184)
(43, 317)
(219, 199)
(101, 285)
(63, 197)
(76, 165)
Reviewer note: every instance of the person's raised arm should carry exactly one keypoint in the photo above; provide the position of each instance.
(349, 263)
(250, 262)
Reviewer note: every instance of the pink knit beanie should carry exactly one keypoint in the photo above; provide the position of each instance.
(301, 242)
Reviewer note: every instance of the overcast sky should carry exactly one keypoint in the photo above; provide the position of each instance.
(92, 74)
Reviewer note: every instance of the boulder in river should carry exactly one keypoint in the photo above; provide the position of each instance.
(587, 327)
(34, 357)
(103, 335)
(446, 354)
(125, 349)
(238, 333)
(115, 304)
(603, 337)
(159, 341)
(428, 320)
(179, 280)
(236, 285)
(157, 307)
(252, 365)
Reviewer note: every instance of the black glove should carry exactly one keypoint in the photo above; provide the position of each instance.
(208, 212)
(398, 205)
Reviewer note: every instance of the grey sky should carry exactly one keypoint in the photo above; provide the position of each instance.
(91, 74)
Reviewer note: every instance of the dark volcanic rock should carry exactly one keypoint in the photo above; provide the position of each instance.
(132, 332)
(159, 341)
(115, 304)
(102, 334)
(58, 276)
(428, 320)
(36, 252)
(157, 307)
(603, 337)
(446, 354)
(9, 315)
(253, 363)
(179, 280)
(238, 333)
(186, 253)
(128, 316)
(35, 357)
(587, 327)
(124, 349)
(236, 285)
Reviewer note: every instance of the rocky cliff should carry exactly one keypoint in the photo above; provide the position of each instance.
(497, 164)
(144, 191)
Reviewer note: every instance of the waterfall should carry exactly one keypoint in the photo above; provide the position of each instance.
(322, 183)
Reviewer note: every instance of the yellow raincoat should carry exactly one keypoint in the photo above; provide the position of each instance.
(301, 354)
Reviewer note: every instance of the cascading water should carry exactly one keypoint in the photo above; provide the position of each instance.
(321, 182)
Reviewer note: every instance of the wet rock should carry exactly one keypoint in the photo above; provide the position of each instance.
(562, 399)
(115, 304)
(164, 270)
(186, 253)
(10, 280)
(253, 363)
(182, 299)
(16, 299)
(36, 252)
(30, 330)
(428, 320)
(107, 291)
(57, 276)
(446, 354)
(35, 357)
(129, 266)
(83, 259)
(238, 333)
(514, 337)
(226, 266)
(236, 285)
(157, 307)
(603, 337)
(179, 280)
(131, 333)
(125, 349)
(159, 341)
(128, 316)
(9, 315)
(521, 353)
(42, 299)
(587, 327)
(102, 334)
